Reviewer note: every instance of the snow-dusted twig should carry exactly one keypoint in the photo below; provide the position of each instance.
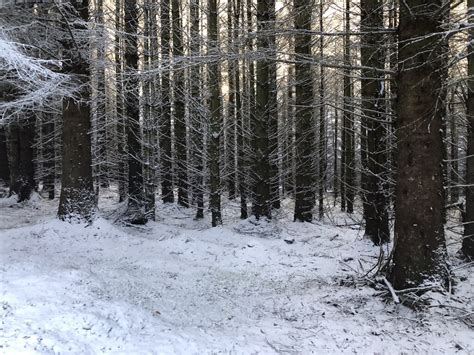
(391, 289)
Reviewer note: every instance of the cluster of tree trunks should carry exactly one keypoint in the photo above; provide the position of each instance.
(190, 139)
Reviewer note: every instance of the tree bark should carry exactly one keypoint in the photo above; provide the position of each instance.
(231, 121)
(336, 155)
(322, 118)
(262, 203)
(102, 179)
(241, 174)
(215, 107)
(49, 156)
(21, 136)
(136, 213)
(305, 131)
(195, 116)
(373, 110)
(77, 199)
(181, 165)
(468, 237)
(273, 110)
(289, 162)
(420, 251)
(167, 194)
(348, 141)
(150, 55)
(4, 170)
(119, 104)
(454, 154)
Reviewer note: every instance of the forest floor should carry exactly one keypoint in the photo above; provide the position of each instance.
(177, 286)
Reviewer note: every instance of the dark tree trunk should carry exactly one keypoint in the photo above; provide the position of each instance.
(119, 104)
(373, 95)
(136, 213)
(305, 131)
(468, 241)
(4, 170)
(21, 138)
(216, 117)
(195, 117)
(420, 250)
(102, 179)
(336, 155)
(322, 119)
(289, 182)
(348, 141)
(241, 174)
(77, 193)
(165, 125)
(149, 126)
(231, 121)
(262, 204)
(245, 163)
(273, 110)
(442, 102)
(179, 110)
(392, 97)
(454, 154)
(49, 156)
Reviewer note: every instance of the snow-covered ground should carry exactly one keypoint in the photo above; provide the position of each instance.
(177, 286)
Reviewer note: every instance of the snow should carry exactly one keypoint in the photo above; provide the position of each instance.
(177, 286)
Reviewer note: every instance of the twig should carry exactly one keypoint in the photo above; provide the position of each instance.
(392, 291)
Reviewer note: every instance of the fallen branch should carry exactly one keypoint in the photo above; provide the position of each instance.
(392, 291)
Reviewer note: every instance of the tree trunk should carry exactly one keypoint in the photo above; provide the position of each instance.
(336, 155)
(231, 121)
(348, 142)
(468, 241)
(150, 49)
(136, 213)
(245, 155)
(289, 166)
(21, 138)
(179, 118)
(195, 116)
(49, 156)
(240, 121)
(420, 250)
(273, 110)
(454, 155)
(165, 125)
(322, 118)
(101, 96)
(119, 105)
(443, 95)
(373, 95)
(215, 107)
(4, 170)
(77, 193)
(305, 131)
(392, 96)
(260, 124)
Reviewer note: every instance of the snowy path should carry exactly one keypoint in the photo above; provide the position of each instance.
(178, 287)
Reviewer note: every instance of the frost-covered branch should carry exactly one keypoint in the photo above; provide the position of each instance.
(26, 81)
